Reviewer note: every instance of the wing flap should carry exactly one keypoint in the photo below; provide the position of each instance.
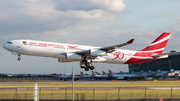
(83, 52)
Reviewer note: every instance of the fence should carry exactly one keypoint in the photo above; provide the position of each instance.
(90, 95)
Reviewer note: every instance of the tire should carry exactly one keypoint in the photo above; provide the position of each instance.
(82, 66)
(92, 67)
(86, 69)
(19, 59)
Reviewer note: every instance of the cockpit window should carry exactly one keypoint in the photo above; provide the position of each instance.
(9, 43)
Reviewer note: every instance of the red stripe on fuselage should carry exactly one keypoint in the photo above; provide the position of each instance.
(147, 54)
(137, 60)
(143, 56)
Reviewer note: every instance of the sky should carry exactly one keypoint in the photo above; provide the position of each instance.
(85, 22)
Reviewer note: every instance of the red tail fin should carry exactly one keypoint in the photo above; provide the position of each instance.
(82, 74)
(110, 72)
(93, 73)
(158, 45)
(155, 48)
(104, 73)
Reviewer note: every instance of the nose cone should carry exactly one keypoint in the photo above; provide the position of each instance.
(7, 47)
(4, 46)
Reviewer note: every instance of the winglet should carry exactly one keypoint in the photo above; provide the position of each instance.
(130, 41)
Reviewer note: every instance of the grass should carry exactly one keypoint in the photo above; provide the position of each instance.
(99, 94)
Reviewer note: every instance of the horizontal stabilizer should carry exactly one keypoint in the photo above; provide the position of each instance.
(165, 55)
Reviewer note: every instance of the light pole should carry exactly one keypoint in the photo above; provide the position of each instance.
(72, 84)
(64, 70)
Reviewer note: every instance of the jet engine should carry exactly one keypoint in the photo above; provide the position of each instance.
(64, 60)
(73, 56)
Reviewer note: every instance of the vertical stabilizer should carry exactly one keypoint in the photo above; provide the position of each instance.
(158, 45)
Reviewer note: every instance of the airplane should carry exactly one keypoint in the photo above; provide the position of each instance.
(110, 72)
(85, 76)
(87, 55)
(68, 76)
(122, 76)
(94, 74)
(62, 77)
(104, 73)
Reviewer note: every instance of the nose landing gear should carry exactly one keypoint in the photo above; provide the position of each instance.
(19, 57)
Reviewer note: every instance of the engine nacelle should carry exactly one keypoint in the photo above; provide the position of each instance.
(63, 60)
(73, 56)
(97, 52)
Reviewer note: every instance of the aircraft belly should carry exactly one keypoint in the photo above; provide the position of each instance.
(59, 56)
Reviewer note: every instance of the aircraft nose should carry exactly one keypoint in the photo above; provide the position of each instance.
(4, 46)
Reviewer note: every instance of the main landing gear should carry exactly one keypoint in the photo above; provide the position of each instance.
(19, 57)
(86, 64)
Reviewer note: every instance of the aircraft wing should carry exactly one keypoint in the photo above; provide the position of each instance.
(112, 48)
(83, 52)
(165, 55)
(108, 49)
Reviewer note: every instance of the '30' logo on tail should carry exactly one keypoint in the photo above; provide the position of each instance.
(118, 55)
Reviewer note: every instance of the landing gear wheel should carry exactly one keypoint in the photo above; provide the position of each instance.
(88, 64)
(86, 69)
(83, 64)
(92, 67)
(19, 59)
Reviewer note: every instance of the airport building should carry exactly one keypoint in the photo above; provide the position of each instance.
(166, 64)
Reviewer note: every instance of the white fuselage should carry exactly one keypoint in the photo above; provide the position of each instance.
(88, 54)
(54, 50)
